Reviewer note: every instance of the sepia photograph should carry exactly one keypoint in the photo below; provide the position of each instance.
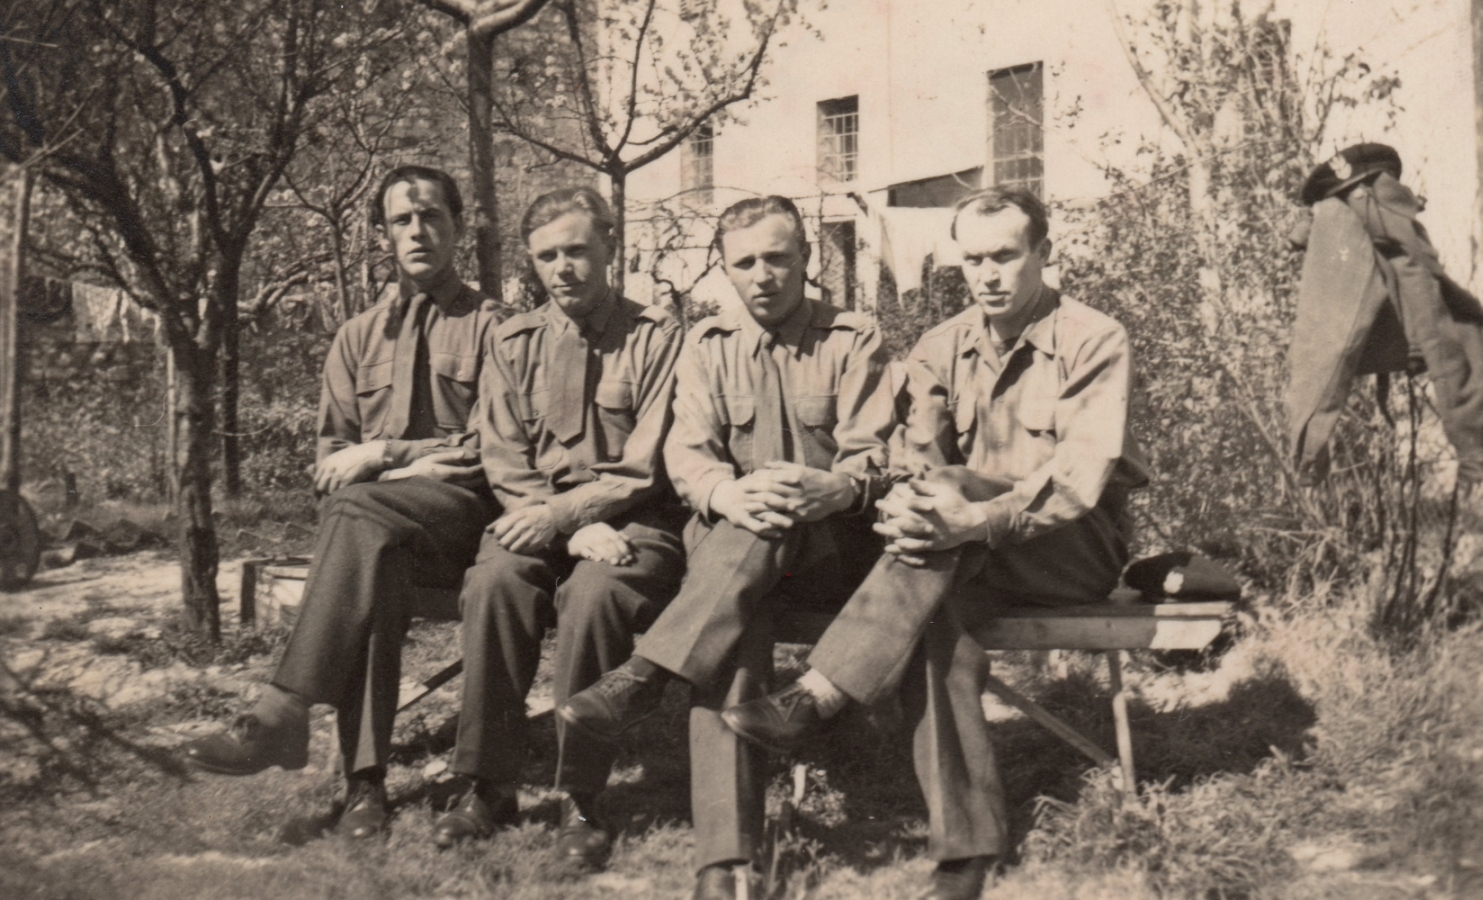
(741, 449)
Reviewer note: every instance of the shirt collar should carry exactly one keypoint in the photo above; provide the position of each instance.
(1041, 332)
(447, 292)
(789, 331)
(594, 324)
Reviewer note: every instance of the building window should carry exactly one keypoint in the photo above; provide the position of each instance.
(698, 165)
(837, 263)
(1017, 138)
(839, 139)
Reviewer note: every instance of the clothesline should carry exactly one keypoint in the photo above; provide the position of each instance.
(100, 315)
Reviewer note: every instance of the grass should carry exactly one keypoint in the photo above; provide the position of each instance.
(1307, 761)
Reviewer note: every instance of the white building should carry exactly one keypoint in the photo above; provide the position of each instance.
(875, 125)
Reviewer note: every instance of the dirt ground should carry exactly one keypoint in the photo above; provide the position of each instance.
(1240, 795)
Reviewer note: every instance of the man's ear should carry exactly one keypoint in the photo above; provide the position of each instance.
(1044, 251)
(383, 240)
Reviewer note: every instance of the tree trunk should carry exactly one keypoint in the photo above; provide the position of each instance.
(231, 381)
(481, 161)
(194, 374)
(341, 288)
(619, 179)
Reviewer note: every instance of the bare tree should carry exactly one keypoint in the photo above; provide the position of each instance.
(633, 81)
(483, 21)
(167, 124)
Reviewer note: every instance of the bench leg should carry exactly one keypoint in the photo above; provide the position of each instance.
(1049, 720)
(440, 678)
(1120, 720)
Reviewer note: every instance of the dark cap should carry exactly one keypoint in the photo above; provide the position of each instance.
(1349, 167)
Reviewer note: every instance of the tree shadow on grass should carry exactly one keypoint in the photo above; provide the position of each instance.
(53, 740)
(864, 807)
(1261, 715)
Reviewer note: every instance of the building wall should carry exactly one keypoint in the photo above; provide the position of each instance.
(920, 72)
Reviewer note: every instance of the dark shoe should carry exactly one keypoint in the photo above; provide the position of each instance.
(583, 839)
(613, 704)
(777, 722)
(478, 815)
(249, 747)
(959, 879)
(718, 882)
(366, 809)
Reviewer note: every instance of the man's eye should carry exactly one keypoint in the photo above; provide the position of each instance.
(548, 256)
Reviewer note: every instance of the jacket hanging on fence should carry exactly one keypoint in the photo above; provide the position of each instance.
(1374, 298)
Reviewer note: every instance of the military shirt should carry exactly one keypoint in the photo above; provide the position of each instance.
(614, 464)
(1050, 415)
(838, 402)
(356, 399)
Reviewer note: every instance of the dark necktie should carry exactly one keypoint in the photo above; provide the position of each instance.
(770, 434)
(569, 397)
(404, 387)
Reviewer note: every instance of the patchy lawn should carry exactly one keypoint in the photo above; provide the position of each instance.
(1303, 762)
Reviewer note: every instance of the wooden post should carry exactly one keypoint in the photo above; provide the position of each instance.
(1120, 720)
(10, 368)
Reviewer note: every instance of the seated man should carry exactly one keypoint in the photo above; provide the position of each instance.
(576, 407)
(1018, 443)
(779, 438)
(405, 501)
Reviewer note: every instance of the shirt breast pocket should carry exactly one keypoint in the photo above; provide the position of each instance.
(456, 378)
(373, 397)
(1038, 416)
(615, 416)
(817, 415)
(965, 413)
(531, 407)
(738, 416)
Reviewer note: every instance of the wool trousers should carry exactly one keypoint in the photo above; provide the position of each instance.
(508, 602)
(378, 542)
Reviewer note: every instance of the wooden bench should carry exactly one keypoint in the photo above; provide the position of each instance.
(1123, 623)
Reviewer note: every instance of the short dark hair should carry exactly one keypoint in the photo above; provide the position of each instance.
(748, 212)
(415, 173)
(551, 206)
(997, 199)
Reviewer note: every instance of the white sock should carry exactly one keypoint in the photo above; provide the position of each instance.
(828, 698)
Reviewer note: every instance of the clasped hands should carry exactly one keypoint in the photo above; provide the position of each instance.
(367, 462)
(531, 529)
(769, 500)
(919, 517)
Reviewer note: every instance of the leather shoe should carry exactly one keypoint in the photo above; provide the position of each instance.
(250, 746)
(366, 809)
(582, 839)
(959, 879)
(613, 703)
(777, 722)
(475, 816)
(718, 882)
